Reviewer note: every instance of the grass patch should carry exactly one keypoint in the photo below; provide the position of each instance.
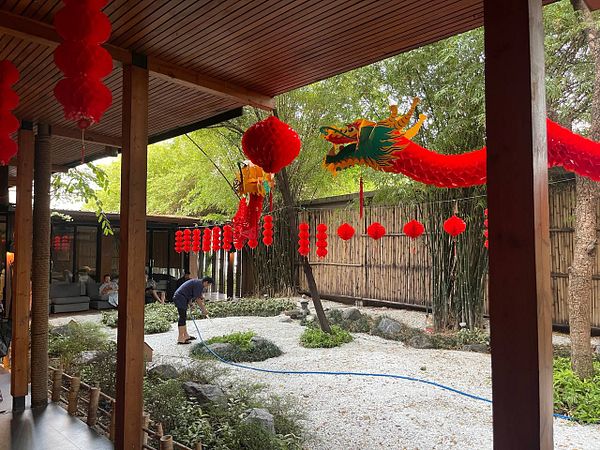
(243, 348)
(314, 337)
(579, 399)
(67, 342)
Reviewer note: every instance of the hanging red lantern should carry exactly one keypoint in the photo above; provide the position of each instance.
(56, 243)
(271, 144)
(303, 239)
(413, 229)
(83, 28)
(268, 230)
(206, 240)
(196, 240)
(9, 100)
(179, 241)
(216, 239)
(376, 231)
(252, 243)
(227, 237)
(238, 238)
(187, 240)
(65, 243)
(345, 231)
(455, 226)
(321, 240)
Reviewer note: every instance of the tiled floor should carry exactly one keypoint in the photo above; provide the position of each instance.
(49, 429)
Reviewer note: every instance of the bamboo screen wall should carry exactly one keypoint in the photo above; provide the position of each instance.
(397, 269)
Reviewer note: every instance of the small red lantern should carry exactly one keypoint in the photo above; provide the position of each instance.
(303, 239)
(345, 231)
(196, 240)
(179, 241)
(414, 229)
(268, 230)
(321, 240)
(238, 239)
(216, 239)
(252, 243)
(376, 231)
(227, 237)
(187, 240)
(455, 226)
(206, 240)
(56, 243)
(271, 144)
(9, 100)
(65, 243)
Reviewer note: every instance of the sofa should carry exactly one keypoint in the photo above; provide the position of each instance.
(97, 301)
(68, 297)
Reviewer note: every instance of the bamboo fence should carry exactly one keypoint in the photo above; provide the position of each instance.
(400, 270)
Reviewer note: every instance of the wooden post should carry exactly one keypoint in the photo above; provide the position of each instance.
(166, 442)
(159, 430)
(23, 257)
(111, 429)
(230, 274)
(198, 446)
(221, 288)
(519, 273)
(130, 337)
(57, 384)
(92, 416)
(73, 396)
(145, 426)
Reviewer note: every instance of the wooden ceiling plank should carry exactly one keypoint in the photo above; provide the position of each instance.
(43, 34)
(90, 136)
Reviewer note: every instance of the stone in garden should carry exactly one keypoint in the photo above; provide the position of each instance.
(88, 357)
(220, 348)
(479, 348)
(285, 319)
(598, 349)
(295, 314)
(389, 327)
(421, 341)
(260, 417)
(258, 341)
(204, 393)
(164, 372)
(351, 314)
(309, 319)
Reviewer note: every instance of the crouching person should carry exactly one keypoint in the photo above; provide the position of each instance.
(189, 292)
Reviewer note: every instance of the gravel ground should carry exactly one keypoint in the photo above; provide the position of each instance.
(353, 413)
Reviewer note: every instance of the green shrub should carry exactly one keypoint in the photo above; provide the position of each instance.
(66, 342)
(243, 348)
(363, 325)
(579, 399)
(314, 337)
(102, 370)
(249, 307)
(109, 318)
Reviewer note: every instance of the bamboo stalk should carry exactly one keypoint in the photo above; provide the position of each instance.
(92, 415)
(57, 375)
(166, 442)
(73, 395)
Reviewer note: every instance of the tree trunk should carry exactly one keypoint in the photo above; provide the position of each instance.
(582, 268)
(40, 284)
(284, 187)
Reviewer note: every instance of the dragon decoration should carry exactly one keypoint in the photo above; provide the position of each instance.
(387, 146)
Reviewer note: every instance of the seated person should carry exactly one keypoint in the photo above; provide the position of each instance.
(186, 276)
(110, 290)
(151, 294)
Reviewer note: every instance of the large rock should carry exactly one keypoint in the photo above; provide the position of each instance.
(389, 327)
(421, 341)
(351, 314)
(260, 417)
(204, 394)
(220, 348)
(285, 319)
(259, 341)
(88, 357)
(295, 313)
(598, 349)
(479, 348)
(164, 372)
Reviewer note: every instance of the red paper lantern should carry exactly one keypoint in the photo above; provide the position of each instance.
(179, 241)
(238, 238)
(455, 226)
(303, 239)
(65, 243)
(206, 240)
(196, 239)
(83, 27)
(271, 144)
(56, 243)
(486, 244)
(252, 243)
(9, 100)
(187, 240)
(345, 231)
(227, 237)
(321, 240)
(216, 239)
(376, 231)
(268, 230)
(413, 229)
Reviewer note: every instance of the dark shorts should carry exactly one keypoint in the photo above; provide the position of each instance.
(182, 316)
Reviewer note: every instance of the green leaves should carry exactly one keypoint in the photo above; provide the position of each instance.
(579, 399)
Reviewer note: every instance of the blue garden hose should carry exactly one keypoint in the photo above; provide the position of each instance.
(358, 374)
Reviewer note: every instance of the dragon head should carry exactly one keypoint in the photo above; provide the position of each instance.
(368, 143)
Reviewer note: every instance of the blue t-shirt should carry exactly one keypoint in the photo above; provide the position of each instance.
(187, 292)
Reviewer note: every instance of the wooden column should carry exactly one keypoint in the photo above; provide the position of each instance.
(519, 281)
(22, 273)
(230, 274)
(40, 279)
(130, 338)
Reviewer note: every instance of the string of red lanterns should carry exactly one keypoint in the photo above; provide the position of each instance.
(486, 244)
(206, 240)
(179, 241)
(321, 240)
(216, 239)
(187, 240)
(303, 239)
(227, 237)
(196, 240)
(9, 100)
(268, 230)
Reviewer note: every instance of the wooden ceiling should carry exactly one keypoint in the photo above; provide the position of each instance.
(208, 57)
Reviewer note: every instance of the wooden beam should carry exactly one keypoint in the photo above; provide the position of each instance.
(90, 136)
(22, 269)
(41, 33)
(592, 4)
(519, 267)
(130, 338)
